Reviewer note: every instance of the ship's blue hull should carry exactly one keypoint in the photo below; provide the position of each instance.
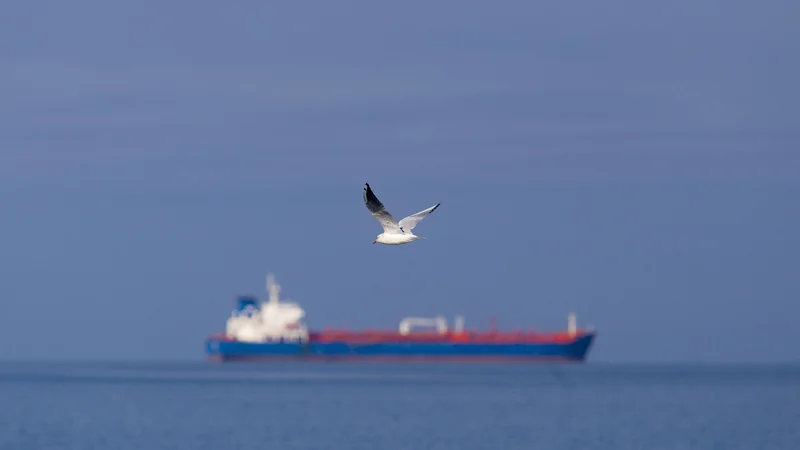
(226, 350)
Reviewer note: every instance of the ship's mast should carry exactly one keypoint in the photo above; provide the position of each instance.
(273, 289)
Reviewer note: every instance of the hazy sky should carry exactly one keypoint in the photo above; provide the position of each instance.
(637, 163)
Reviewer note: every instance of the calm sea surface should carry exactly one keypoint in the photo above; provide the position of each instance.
(379, 406)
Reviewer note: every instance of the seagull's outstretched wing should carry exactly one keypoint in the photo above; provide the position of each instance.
(408, 223)
(379, 212)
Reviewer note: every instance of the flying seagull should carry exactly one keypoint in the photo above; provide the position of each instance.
(394, 233)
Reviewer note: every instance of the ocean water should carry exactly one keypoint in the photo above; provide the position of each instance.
(400, 406)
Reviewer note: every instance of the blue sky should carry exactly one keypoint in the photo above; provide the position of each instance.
(637, 164)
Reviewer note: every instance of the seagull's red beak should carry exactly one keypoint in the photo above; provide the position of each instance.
(374, 241)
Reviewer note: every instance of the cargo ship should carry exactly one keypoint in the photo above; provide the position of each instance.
(274, 330)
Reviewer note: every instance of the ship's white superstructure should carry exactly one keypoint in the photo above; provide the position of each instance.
(270, 321)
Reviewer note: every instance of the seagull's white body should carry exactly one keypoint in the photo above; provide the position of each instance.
(396, 239)
(394, 233)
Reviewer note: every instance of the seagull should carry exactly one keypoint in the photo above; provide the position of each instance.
(394, 233)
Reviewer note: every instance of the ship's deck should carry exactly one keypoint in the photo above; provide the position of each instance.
(469, 336)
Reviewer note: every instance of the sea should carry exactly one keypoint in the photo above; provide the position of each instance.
(355, 406)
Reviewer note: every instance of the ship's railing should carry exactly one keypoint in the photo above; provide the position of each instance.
(490, 336)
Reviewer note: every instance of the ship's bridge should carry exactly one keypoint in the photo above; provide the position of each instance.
(271, 321)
